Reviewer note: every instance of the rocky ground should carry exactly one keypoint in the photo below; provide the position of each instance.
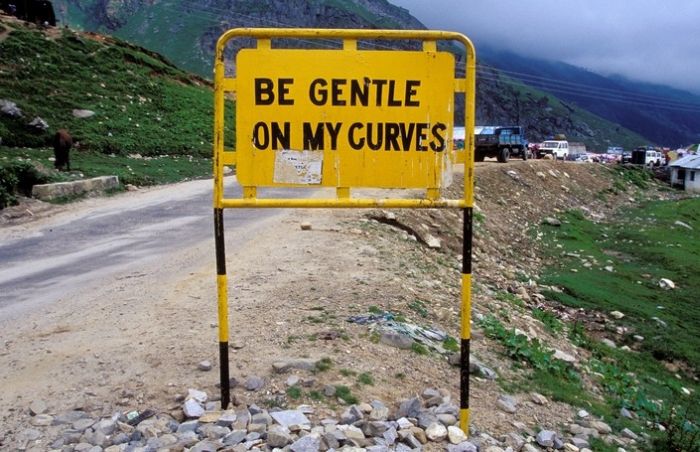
(337, 336)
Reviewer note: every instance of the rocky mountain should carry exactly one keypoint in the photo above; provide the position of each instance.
(186, 33)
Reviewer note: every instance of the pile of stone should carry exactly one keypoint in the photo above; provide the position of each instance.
(428, 422)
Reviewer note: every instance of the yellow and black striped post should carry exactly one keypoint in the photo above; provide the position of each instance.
(222, 295)
(466, 319)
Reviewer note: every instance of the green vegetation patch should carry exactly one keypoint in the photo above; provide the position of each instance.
(619, 267)
(142, 103)
(33, 166)
(17, 177)
(365, 378)
(641, 247)
(345, 394)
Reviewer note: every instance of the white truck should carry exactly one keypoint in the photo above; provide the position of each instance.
(558, 149)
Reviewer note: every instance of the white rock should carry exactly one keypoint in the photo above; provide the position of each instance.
(37, 407)
(436, 432)
(617, 314)
(558, 354)
(80, 113)
(683, 225)
(456, 435)
(538, 398)
(305, 226)
(404, 423)
(432, 242)
(199, 396)
(192, 408)
(666, 283)
(608, 342)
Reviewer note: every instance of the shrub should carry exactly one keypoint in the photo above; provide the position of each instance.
(18, 177)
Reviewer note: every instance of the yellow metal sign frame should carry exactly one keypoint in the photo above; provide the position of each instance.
(228, 157)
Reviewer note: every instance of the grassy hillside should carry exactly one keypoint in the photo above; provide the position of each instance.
(142, 103)
(187, 31)
(146, 111)
(618, 266)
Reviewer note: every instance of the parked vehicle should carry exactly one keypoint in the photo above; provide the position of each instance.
(558, 149)
(648, 156)
(500, 142)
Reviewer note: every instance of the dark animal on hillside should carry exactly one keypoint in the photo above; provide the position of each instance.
(62, 142)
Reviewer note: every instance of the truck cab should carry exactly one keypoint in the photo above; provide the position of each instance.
(558, 149)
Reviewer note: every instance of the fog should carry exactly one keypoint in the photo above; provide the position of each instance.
(645, 40)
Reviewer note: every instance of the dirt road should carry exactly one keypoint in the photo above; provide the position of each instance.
(131, 336)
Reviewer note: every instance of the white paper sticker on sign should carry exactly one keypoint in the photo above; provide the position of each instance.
(298, 167)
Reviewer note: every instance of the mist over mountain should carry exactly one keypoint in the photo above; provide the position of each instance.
(662, 114)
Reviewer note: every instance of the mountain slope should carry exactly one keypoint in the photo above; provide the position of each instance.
(662, 114)
(187, 33)
(141, 102)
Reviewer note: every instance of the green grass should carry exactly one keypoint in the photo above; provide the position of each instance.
(451, 344)
(419, 307)
(365, 378)
(419, 349)
(142, 103)
(345, 394)
(316, 395)
(347, 372)
(641, 245)
(549, 320)
(510, 298)
(160, 169)
(294, 393)
(324, 364)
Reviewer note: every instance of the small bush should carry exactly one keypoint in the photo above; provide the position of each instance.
(549, 320)
(294, 393)
(324, 365)
(419, 348)
(16, 178)
(681, 434)
(532, 351)
(344, 394)
(365, 378)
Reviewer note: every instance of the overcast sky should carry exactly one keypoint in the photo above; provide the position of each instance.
(649, 40)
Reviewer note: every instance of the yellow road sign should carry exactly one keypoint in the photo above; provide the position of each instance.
(355, 118)
(344, 118)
